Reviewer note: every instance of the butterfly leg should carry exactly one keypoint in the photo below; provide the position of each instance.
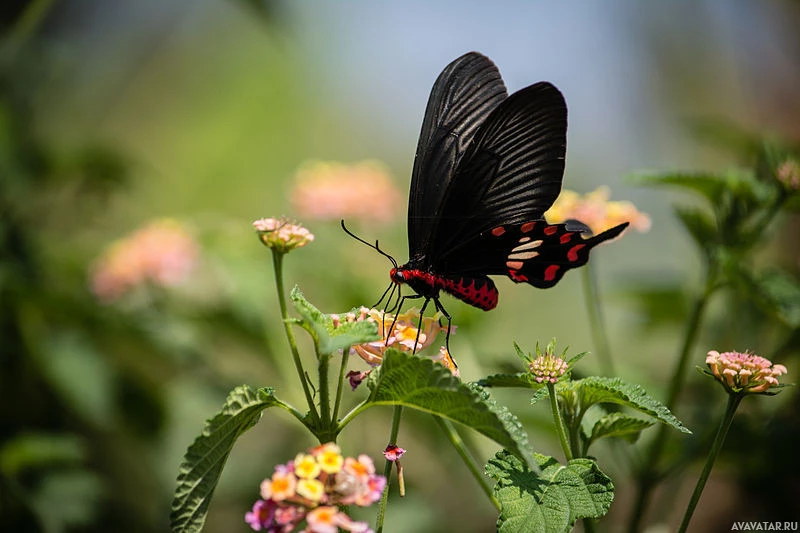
(390, 291)
(398, 308)
(441, 309)
(419, 326)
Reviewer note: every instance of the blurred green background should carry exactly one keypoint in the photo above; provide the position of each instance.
(116, 113)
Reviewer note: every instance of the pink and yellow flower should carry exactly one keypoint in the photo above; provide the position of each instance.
(789, 174)
(306, 466)
(333, 191)
(282, 235)
(310, 487)
(547, 368)
(162, 253)
(596, 211)
(744, 373)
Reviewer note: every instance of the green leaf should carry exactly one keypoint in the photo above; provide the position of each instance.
(699, 224)
(596, 389)
(422, 384)
(549, 501)
(523, 380)
(774, 291)
(710, 186)
(328, 338)
(202, 465)
(618, 425)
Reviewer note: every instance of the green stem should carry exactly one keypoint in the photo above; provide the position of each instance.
(277, 261)
(340, 386)
(562, 434)
(324, 390)
(466, 456)
(596, 322)
(28, 22)
(648, 477)
(722, 431)
(387, 469)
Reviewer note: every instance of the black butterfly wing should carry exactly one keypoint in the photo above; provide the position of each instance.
(464, 94)
(510, 174)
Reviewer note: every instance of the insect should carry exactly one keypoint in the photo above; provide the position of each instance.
(487, 167)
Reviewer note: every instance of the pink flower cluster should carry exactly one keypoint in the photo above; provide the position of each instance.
(162, 253)
(547, 368)
(596, 211)
(744, 372)
(281, 234)
(311, 488)
(789, 174)
(332, 191)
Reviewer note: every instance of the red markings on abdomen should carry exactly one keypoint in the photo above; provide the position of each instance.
(478, 292)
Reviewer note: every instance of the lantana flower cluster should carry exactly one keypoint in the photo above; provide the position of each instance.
(333, 191)
(281, 234)
(547, 368)
(162, 253)
(744, 373)
(311, 488)
(405, 334)
(596, 211)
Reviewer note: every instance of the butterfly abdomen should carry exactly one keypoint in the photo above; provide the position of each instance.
(478, 292)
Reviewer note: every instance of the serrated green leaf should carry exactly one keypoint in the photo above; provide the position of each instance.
(549, 501)
(597, 389)
(202, 465)
(422, 384)
(539, 395)
(328, 338)
(522, 380)
(618, 425)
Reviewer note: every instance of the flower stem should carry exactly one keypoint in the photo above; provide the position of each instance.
(340, 386)
(466, 456)
(323, 363)
(562, 434)
(648, 477)
(596, 322)
(722, 431)
(277, 261)
(387, 469)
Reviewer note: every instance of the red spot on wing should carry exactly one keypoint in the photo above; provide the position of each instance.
(572, 255)
(566, 238)
(499, 230)
(527, 227)
(516, 276)
(549, 230)
(550, 272)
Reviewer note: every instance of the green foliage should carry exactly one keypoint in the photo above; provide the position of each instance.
(427, 386)
(551, 500)
(328, 338)
(204, 460)
(618, 425)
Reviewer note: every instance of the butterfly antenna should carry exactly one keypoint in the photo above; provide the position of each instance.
(373, 246)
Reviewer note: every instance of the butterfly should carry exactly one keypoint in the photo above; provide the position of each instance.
(487, 167)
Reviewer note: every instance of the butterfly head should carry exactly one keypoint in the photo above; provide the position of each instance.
(398, 275)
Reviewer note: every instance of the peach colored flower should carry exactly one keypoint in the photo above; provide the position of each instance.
(162, 253)
(282, 235)
(403, 336)
(280, 487)
(596, 211)
(333, 191)
(329, 457)
(744, 373)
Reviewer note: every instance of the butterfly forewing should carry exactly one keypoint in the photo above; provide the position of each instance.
(510, 173)
(464, 94)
